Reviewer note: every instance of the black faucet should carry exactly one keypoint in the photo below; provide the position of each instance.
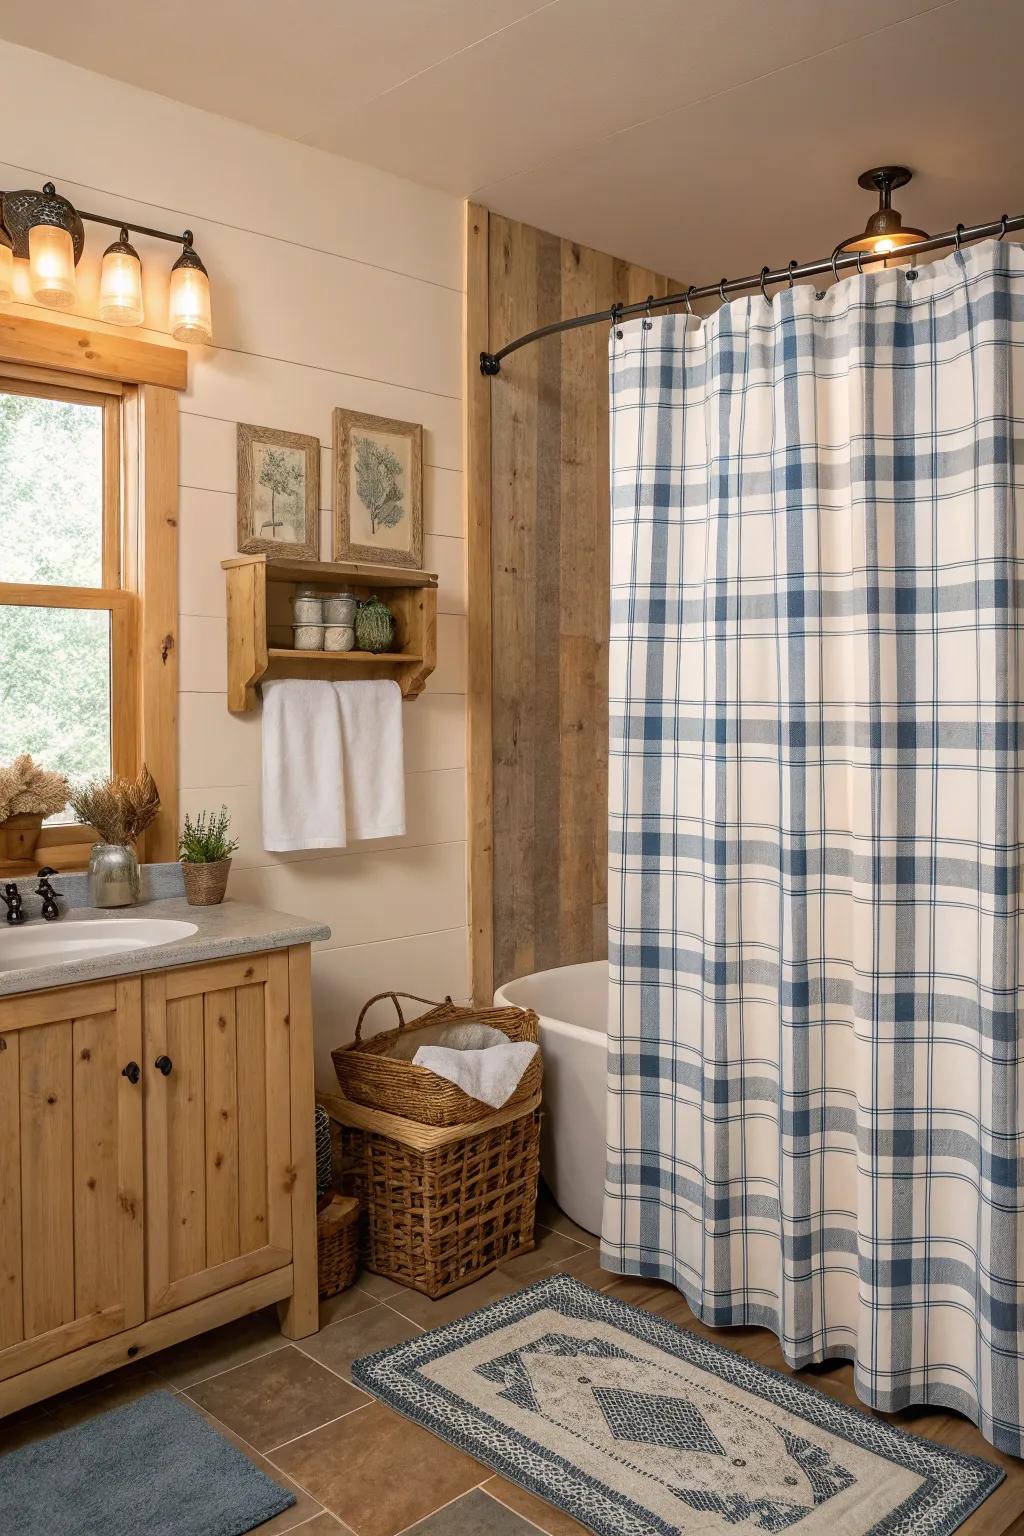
(47, 892)
(12, 899)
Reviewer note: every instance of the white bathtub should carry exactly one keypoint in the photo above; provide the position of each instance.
(572, 1005)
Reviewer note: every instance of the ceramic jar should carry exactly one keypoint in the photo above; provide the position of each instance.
(113, 875)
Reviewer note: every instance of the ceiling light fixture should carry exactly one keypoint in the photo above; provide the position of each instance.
(885, 231)
(47, 230)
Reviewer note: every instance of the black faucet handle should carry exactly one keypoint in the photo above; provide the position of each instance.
(13, 900)
(49, 895)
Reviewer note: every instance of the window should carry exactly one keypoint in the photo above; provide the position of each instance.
(68, 626)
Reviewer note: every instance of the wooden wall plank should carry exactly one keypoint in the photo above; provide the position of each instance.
(549, 539)
(221, 1127)
(252, 1118)
(184, 1093)
(47, 1216)
(11, 1322)
(477, 452)
(95, 1075)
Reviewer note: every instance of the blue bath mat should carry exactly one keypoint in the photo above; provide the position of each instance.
(636, 1427)
(153, 1468)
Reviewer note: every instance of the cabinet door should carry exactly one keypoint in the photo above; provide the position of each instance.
(218, 1127)
(71, 1218)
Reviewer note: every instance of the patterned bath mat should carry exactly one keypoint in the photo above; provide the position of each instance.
(637, 1427)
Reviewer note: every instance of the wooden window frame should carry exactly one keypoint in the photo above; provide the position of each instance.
(136, 384)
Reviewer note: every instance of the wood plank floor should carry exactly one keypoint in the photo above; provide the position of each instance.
(357, 1467)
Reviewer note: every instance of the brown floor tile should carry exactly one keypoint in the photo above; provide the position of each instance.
(221, 1349)
(540, 1513)
(550, 1215)
(378, 1286)
(108, 1393)
(276, 1398)
(475, 1514)
(321, 1526)
(377, 1472)
(346, 1304)
(431, 1314)
(341, 1343)
(551, 1248)
(585, 1266)
(305, 1506)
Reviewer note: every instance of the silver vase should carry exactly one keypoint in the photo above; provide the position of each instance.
(113, 875)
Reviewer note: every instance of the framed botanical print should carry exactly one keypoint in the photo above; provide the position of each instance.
(378, 490)
(278, 493)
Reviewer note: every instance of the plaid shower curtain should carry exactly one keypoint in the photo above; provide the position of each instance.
(814, 898)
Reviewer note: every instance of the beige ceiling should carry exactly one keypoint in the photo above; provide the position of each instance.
(697, 137)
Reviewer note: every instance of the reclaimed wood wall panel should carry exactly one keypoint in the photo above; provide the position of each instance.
(546, 612)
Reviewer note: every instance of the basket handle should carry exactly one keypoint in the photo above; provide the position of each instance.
(394, 996)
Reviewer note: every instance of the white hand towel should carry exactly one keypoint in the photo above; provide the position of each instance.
(303, 784)
(371, 731)
(491, 1075)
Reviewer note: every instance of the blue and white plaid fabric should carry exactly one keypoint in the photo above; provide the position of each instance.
(816, 817)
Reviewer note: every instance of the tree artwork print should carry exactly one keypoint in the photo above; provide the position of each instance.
(378, 483)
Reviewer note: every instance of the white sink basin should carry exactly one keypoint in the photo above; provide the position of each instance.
(57, 943)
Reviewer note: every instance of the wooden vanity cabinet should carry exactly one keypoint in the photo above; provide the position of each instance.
(156, 1165)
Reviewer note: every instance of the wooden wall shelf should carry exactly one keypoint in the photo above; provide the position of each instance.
(259, 588)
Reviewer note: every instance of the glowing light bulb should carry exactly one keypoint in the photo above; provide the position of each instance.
(190, 314)
(51, 261)
(121, 284)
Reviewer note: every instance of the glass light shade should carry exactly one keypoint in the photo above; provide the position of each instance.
(121, 286)
(190, 317)
(6, 272)
(51, 265)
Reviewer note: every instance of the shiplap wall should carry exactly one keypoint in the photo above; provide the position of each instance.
(333, 284)
(550, 587)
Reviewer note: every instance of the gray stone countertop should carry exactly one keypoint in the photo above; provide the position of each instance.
(232, 928)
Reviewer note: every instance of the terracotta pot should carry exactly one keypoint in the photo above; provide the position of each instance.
(205, 884)
(19, 835)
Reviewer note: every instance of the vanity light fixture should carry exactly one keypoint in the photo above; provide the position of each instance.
(47, 230)
(885, 231)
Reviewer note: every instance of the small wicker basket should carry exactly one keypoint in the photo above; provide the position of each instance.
(368, 1075)
(444, 1204)
(337, 1238)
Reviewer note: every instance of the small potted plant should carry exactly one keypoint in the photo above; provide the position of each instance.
(28, 794)
(120, 810)
(205, 850)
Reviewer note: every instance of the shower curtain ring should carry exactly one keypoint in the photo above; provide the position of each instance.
(957, 237)
(835, 258)
(686, 298)
(792, 268)
(860, 263)
(764, 274)
(647, 318)
(1003, 221)
(721, 290)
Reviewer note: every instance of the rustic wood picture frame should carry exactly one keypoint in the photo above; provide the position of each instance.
(251, 540)
(348, 424)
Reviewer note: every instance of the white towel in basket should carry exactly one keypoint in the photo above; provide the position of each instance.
(491, 1075)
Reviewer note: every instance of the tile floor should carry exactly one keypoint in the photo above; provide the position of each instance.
(358, 1468)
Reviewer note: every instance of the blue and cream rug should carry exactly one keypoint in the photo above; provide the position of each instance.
(637, 1427)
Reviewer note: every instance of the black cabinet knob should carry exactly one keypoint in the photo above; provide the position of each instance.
(132, 1072)
(164, 1064)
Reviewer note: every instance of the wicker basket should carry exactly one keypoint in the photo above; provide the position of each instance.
(444, 1205)
(369, 1076)
(337, 1242)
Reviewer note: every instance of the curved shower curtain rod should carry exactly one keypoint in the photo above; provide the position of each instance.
(490, 362)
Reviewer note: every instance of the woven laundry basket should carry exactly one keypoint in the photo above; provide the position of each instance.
(444, 1204)
(368, 1075)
